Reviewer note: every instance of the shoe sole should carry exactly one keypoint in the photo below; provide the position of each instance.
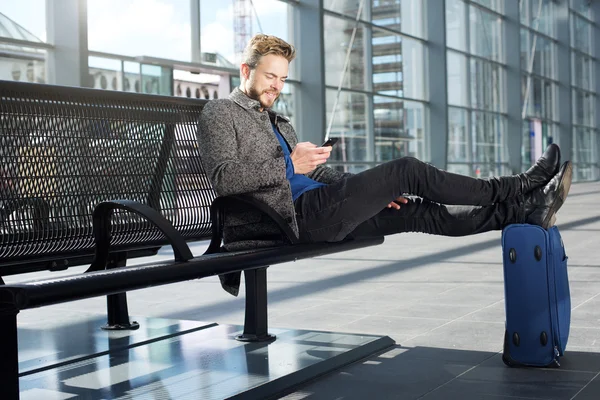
(563, 191)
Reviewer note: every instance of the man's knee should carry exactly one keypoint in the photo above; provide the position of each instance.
(407, 163)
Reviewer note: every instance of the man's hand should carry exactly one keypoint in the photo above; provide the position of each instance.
(394, 204)
(307, 156)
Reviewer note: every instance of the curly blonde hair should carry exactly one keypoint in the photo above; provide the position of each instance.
(261, 45)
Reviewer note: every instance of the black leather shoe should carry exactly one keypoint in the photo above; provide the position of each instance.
(543, 170)
(542, 203)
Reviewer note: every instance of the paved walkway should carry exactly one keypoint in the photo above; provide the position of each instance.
(441, 299)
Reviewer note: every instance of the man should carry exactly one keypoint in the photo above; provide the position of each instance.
(247, 148)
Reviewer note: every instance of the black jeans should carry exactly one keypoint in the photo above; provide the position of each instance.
(447, 204)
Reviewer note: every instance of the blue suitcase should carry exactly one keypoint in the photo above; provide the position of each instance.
(537, 296)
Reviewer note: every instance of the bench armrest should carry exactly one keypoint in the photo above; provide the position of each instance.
(103, 213)
(217, 213)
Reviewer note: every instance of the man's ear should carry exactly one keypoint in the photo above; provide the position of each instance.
(245, 70)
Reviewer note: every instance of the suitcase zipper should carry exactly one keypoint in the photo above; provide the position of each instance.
(554, 309)
(551, 273)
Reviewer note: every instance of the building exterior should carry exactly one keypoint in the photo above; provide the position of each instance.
(477, 87)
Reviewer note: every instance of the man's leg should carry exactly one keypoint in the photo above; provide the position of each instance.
(421, 215)
(411, 176)
(331, 212)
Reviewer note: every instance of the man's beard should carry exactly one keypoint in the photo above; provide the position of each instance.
(255, 95)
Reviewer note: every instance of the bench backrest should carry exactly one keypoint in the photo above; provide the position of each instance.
(63, 150)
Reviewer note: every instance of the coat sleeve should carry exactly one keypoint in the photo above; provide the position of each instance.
(219, 150)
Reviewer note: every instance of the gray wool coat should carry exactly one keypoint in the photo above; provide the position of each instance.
(242, 155)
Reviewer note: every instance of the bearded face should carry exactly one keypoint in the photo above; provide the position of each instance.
(265, 82)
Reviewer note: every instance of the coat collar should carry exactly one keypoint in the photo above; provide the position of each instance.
(241, 99)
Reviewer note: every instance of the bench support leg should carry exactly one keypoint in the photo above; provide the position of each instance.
(116, 304)
(255, 324)
(9, 348)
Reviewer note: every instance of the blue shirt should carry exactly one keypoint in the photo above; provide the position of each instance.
(298, 182)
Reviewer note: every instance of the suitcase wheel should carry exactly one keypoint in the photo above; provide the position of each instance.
(512, 255)
(544, 339)
(506, 359)
(538, 253)
(516, 339)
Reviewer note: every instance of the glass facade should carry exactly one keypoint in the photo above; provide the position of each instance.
(477, 129)
(517, 76)
(584, 97)
(539, 79)
(380, 112)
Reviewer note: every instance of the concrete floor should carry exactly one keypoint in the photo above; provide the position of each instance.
(441, 299)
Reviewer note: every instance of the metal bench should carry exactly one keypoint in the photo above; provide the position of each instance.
(96, 178)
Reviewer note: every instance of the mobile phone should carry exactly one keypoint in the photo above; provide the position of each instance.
(330, 142)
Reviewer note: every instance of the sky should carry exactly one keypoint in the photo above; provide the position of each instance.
(156, 28)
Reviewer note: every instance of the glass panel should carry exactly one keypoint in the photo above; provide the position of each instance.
(525, 146)
(581, 34)
(527, 96)
(398, 68)
(399, 129)
(486, 85)
(285, 103)
(485, 34)
(536, 97)
(525, 49)
(337, 39)
(488, 133)
(456, 26)
(349, 125)
(346, 7)
(545, 22)
(549, 89)
(405, 16)
(157, 29)
(132, 73)
(22, 68)
(24, 20)
(541, 98)
(584, 147)
(546, 19)
(228, 25)
(496, 5)
(583, 108)
(538, 135)
(458, 139)
(581, 68)
(524, 7)
(457, 79)
(543, 62)
(582, 7)
(159, 80)
(105, 73)
(585, 172)
(200, 85)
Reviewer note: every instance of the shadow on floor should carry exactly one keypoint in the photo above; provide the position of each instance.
(436, 373)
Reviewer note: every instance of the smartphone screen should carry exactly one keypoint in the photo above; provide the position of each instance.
(330, 142)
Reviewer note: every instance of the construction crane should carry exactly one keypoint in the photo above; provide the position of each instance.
(242, 26)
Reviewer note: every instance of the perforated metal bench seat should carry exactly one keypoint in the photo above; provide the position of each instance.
(90, 177)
